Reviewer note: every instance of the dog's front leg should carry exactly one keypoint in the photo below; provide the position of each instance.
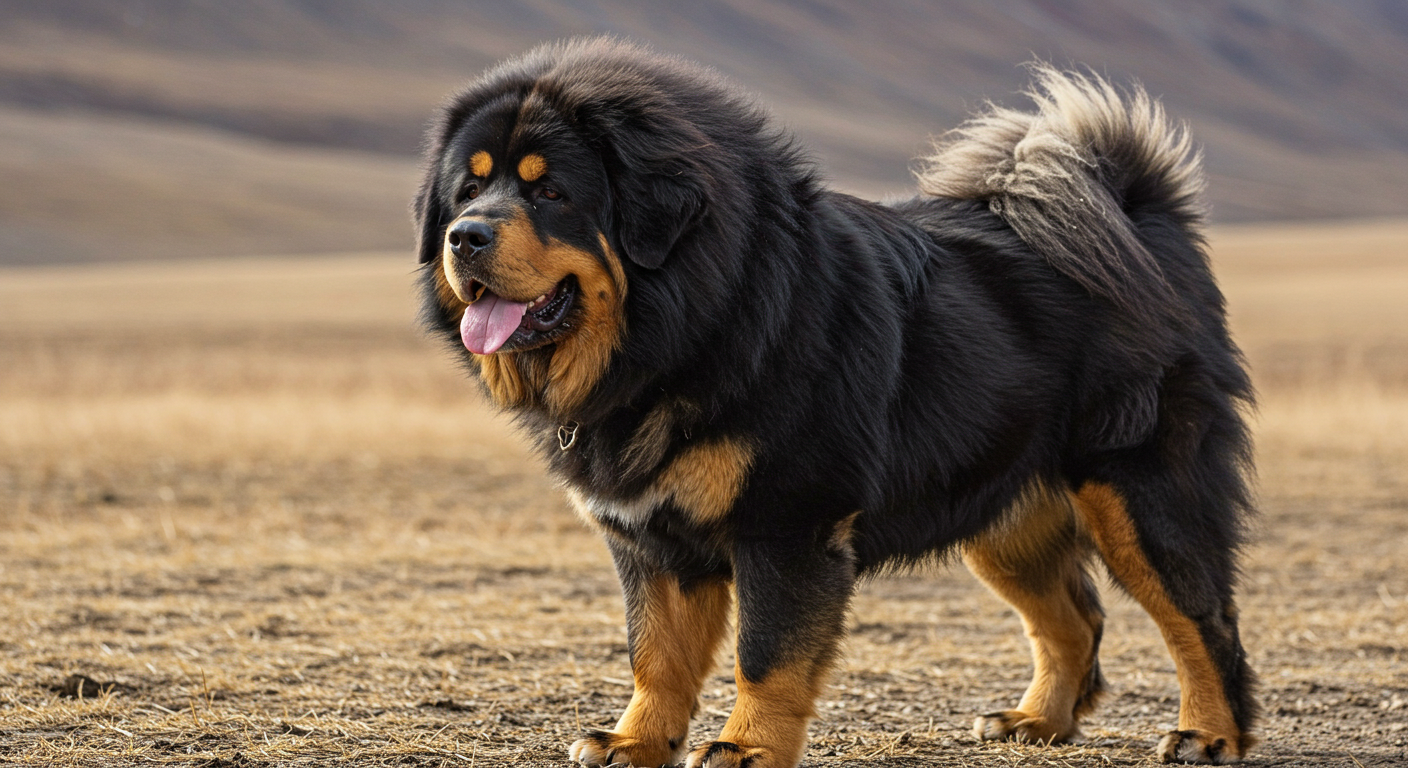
(673, 631)
(792, 598)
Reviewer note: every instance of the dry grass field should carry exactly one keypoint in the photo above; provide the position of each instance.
(248, 517)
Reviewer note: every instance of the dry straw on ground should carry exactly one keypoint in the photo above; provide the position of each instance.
(249, 518)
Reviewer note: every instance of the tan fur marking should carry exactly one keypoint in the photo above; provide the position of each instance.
(705, 479)
(480, 164)
(773, 713)
(582, 357)
(504, 379)
(1203, 704)
(675, 646)
(650, 440)
(1025, 534)
(445, 289)
(532, 167)
(1033, 561)
(584, 510)
(523, 267)
(843, 533)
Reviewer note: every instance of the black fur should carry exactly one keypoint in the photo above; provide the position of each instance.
(919, 362)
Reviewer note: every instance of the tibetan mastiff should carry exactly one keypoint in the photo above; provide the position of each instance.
(760, 390)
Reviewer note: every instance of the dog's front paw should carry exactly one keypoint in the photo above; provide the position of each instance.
(602, 748)
(1016, 725)
(1198, 747)
(726, 754)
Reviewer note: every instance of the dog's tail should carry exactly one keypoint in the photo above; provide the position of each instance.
(1073, 177)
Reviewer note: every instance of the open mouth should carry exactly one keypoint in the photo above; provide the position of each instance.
(492, 323)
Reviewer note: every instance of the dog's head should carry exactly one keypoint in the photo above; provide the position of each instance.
(583, 194)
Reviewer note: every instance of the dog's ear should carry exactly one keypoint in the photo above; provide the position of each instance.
(431, 216)
(658, 166)
(652, 209)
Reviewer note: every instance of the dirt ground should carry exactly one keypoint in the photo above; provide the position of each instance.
(249, 518)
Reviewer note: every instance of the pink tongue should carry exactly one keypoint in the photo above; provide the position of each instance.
(489, 322)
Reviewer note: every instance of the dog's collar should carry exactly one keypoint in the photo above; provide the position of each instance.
(567, 435)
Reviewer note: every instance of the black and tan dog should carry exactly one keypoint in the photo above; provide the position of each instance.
(754, 386)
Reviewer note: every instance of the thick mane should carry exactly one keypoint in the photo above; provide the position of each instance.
(700, 178)
(685, 148)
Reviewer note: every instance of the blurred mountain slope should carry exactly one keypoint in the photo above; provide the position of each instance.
(162, 128)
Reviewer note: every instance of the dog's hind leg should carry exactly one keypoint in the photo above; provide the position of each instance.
(1174, 552)
(1036, 561)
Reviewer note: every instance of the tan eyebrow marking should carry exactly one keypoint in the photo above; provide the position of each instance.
(532, 167)
(480, 164)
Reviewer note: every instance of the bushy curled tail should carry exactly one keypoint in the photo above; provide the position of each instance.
(1072, 177)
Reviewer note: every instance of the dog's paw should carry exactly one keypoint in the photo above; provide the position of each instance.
(1016, 725)
(726, 754)
(602, 748)
(1198, 747)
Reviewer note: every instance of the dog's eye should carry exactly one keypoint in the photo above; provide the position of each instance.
(471, 190)
(548, 193)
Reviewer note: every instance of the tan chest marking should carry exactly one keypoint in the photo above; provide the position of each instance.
(706, 479)
(652, 438)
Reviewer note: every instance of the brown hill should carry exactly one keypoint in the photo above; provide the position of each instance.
(165, 128)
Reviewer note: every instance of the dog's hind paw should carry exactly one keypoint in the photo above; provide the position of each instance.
(1198, 747)
(726, 754)
(603, 748)
(1016, 725)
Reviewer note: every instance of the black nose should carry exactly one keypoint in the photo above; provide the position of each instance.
(469, 236)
